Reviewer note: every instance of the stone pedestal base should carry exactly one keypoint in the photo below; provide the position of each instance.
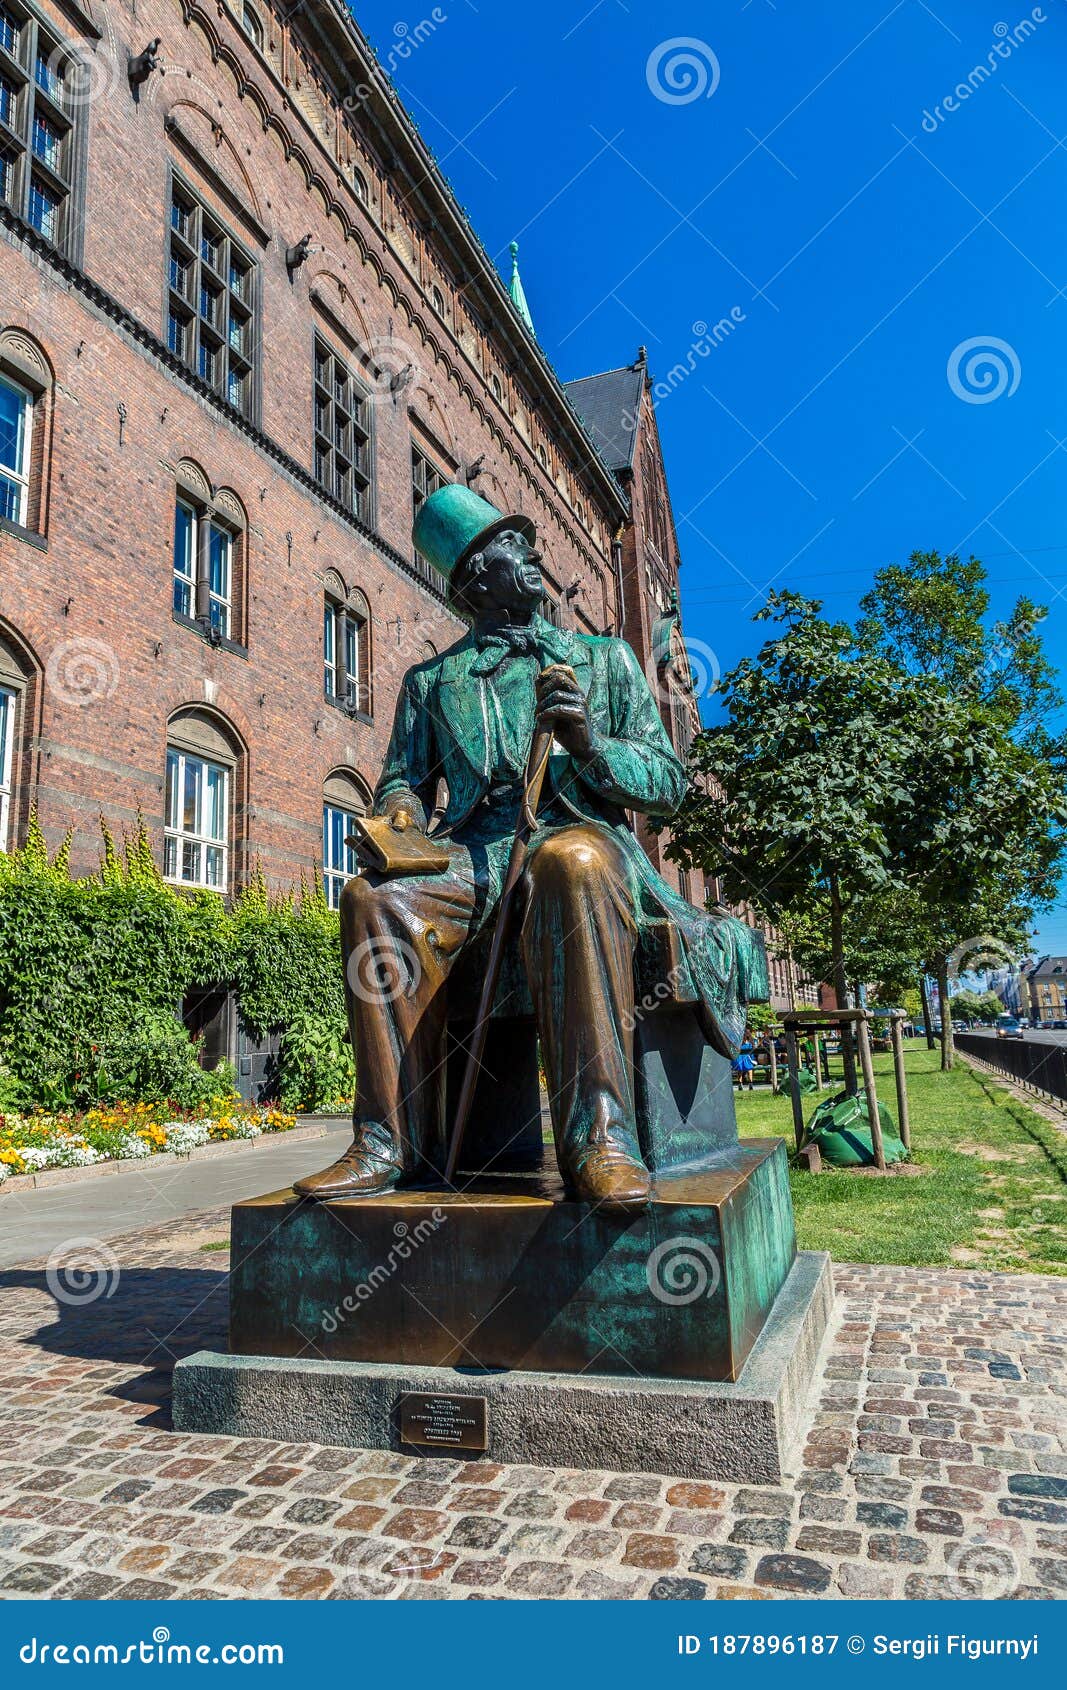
(512, 1272)
(740, 1432)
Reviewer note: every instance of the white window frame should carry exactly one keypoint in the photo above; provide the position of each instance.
(335, 874)
(329, 648)
(19, 477)
(7, 759)
(220, 604)
(197, 579)
(199, 837)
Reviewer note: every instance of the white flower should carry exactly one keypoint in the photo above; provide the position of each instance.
(132, 1147)
(5, 1172)
(37, 1156)
(183, 1136)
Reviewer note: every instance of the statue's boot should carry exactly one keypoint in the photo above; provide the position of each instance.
(609, 1171)
(374, 1162)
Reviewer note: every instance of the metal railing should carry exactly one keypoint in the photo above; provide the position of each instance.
(1030, 1062)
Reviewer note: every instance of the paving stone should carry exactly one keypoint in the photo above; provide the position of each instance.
(678, 1590)
(945, 1521)
(753, 1529)
(477, 1531)
(645, 1550)
(593, 1509)
(881, 1514)
(793, 1573)
(690, 1494)
(593, 1544)
(719, 1560)
(642, 1516)
(826, 1541)
(540, 1578)
(896, 1546)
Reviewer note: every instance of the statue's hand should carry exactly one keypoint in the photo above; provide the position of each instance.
(402, 816)
(561, 708)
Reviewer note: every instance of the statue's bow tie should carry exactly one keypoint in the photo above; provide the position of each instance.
(495, 644)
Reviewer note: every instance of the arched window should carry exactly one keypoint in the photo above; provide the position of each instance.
(209, 543)
(202, 755)
(359, 184)
(346, 647)
(344, 797)
(25, 387)
(438, 300)
(498, 391)
(251, 25)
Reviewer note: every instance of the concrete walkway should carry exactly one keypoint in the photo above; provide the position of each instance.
(34, 1223)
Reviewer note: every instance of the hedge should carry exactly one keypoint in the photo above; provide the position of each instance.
(93, 972)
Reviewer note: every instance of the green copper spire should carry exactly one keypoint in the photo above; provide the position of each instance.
(518, 294)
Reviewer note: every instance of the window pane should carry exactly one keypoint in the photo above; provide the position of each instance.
(12, 428)
(7, 710)
(219, 561)
(352, 648)
(170, 859)
(49, 72)
(191, 803)
(9, 31)
(10, 499)
(215, 813)
(176, 334)
(214, 858)
(47, 141)
(7, 101)
(44, 209)
(173, 778)
(191, 862)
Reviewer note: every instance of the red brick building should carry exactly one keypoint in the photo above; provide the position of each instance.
(244, 329)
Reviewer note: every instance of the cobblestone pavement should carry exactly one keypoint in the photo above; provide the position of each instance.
(930, 1467)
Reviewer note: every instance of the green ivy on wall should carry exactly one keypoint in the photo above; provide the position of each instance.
(93, 972)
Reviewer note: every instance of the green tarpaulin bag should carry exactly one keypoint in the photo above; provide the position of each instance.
(841, 1128)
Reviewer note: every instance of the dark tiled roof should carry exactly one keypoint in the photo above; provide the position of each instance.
(1050, 965)
(608, 405)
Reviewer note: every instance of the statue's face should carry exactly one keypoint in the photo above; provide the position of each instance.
(508, 575)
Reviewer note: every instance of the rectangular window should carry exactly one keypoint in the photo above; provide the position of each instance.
(8, 703)
(426, 478)
(338, 859)
(211, 314)
(38, 112)
(197, 819)
(44, 209)
(342, 431)
(16, 412)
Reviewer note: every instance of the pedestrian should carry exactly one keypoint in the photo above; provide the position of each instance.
(744, 1063)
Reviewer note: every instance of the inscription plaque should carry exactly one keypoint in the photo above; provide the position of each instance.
(451, 1422)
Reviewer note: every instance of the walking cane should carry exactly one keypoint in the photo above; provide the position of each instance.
(531, 795)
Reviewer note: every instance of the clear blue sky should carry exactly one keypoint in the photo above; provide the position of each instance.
(817, 184)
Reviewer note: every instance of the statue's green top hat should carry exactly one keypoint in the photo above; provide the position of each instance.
(456, 522)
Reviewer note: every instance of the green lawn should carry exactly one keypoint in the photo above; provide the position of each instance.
(990, 1190)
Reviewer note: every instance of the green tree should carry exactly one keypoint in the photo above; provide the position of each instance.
(800, 789)
(982, 843)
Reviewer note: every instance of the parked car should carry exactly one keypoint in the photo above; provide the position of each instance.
(1060, 1026)
(1008, 1027)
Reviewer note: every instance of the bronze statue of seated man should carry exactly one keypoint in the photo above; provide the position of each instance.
(467, 717)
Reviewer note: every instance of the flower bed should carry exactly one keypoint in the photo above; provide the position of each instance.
(127, 1132)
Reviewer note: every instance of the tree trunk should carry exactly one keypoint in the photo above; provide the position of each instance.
(946, 1014)
(840, 984)
(927, 1022)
